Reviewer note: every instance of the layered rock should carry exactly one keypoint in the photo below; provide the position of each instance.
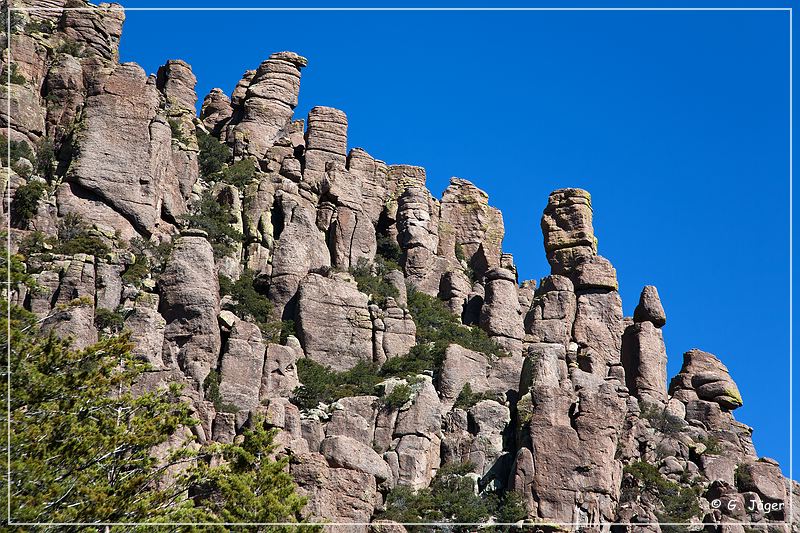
(469, 227)
(500, 315)
(703, 377)
(267, 105)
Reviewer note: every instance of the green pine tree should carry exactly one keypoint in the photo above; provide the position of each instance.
(82, 442)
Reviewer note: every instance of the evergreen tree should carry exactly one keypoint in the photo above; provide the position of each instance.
(82, 442)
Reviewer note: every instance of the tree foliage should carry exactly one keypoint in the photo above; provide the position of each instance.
(678, 503)
(26, 202)
(374, 285)
(82, 445)
(215, 219)
(213, 154)
(451, 498)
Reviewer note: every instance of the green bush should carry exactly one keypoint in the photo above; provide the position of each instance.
(238, 174)
(662, 421)
(398, 397)
(248, 302)
(678, 504)
(25, 203)
(467, 398)
(278, 331)
(16, 78)
(213, 154)
(374, 285)
(390, 252)
(321, 384)
(150, 260)
(35, 242)
(435, 323)
(450, 498)
(420, 358)
(213, 162)
(742, 478)
(713, 445)
(108, 321)
(215, 219)
(177, 131)
(41, 26)
(211, 389)
(74, 237)
(70, 47)
(459, 251)
(45, 158)
(19, 149)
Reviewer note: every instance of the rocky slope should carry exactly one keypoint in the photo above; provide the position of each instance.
(115, 206)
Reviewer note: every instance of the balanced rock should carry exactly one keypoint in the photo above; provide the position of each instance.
(649, 308)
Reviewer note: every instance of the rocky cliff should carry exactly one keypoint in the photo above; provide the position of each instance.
(271, 271)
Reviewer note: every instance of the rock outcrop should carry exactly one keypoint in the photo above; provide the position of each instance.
(298, 250)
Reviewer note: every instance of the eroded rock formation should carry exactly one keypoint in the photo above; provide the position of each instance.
(571, 397)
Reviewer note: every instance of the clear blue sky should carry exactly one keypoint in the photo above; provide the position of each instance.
(676, 122)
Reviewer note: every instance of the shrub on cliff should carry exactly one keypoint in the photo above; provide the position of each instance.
(76, 237)
(239, 174)
(374, 285)
(451, 498)
(26, 203)
(215, 219)
(436, 324)
(248, 303)
(321, 384)
(213, 154)
(150, 259)
(678, 504)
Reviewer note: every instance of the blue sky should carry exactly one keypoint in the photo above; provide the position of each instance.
(677, 122)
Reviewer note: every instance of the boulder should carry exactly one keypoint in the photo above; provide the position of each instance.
(461, 366)
(500, 315)
(704, 376)
(567, 228)
(469, 223)
(764, 478)
(326, 142)
(552, 313)
(355, 418)
(216, 111)
(598, 330)
(649, 308)
(333, 321)
(345, 452)
(279, 376)
(644, 357)
(123, 148)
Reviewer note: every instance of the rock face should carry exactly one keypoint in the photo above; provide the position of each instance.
(565, 413)
(190, 306)
(333, 322)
